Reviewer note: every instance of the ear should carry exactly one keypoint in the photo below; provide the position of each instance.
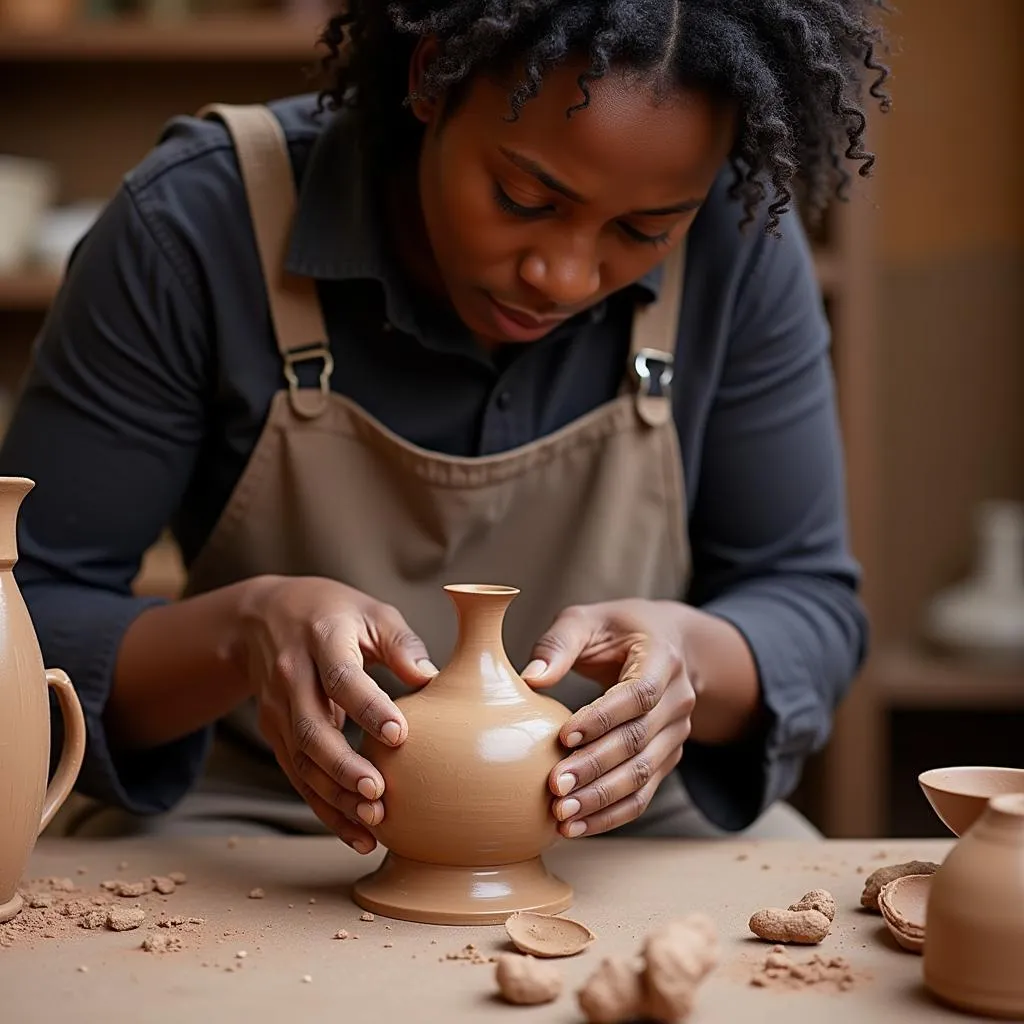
(423, 107)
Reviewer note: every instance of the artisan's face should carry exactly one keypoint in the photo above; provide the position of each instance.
(532, 221)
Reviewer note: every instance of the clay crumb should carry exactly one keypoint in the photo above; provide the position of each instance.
(312, 899)
(524, 981)
(232, 842)
(881, 877)
(82, 969)
(125, 919)
(177, 877)
(676, 958)
(743, 856)
(468, 954)
(366, 916)
(342, 934)
(122, 865)
(307, 978)
(256, 894)
(164, 885)
(82, 871)
(160, 942)
(241, 954)
(805, 922)
(94, 919)
(388, 945)
(39, 900)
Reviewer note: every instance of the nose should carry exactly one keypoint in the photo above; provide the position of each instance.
(565, 271)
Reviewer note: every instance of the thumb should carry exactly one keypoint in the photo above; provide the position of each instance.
(402, 650)
(555, 653)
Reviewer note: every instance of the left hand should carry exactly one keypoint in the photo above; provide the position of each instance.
(628, 739)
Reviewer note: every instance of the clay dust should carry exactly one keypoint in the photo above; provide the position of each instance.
(59, 909)
(781, 972)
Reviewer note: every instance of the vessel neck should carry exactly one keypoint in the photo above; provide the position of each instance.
(1003, 818)
(479, 660)
(12, 492)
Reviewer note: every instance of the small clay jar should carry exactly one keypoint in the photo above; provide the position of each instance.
(467, 808)
(27, 803)
(974, 927)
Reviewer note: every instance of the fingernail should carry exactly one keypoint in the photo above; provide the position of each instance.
(362, 846)
(535, 669)
(574, 739)
(427, 667)
(366, 812)
(577, 828)
(391, 731)
(565, 783)
(368, 788)
(567, 808)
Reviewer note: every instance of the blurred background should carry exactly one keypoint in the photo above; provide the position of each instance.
(922, 274)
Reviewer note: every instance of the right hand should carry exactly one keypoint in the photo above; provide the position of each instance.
(304, 644)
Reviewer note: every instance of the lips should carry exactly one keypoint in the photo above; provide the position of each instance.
(529, 321)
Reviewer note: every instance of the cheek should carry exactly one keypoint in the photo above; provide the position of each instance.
(467, 230)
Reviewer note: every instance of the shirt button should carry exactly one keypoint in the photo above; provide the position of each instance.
(504, 400)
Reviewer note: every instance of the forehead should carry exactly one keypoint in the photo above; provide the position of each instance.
(628, 138)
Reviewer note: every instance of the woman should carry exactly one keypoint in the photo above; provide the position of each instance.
(524, 302)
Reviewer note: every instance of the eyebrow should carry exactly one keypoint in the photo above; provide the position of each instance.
(547, 179)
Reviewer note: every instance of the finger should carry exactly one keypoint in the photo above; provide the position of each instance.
(363, 804)
(338, 658)
(594, 759)
(315, 742)
(627, 778)
(349, 832)
(650, 665)
(395, 645)
(555, 653)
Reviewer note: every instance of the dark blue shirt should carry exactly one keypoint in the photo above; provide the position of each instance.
(153, 374)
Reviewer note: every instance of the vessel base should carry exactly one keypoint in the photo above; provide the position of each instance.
(409, 890)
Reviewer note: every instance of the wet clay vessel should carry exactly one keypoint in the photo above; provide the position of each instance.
(27, 804)
(974, 950)
(467, 808)
(960, 795)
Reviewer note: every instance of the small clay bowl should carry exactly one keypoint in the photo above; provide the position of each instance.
(547, 935)
(903, 903)
(960, 795)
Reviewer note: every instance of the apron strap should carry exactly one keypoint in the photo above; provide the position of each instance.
(653, 342)
(294, 304)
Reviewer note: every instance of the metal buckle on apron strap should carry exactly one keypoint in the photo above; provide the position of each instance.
(308, 402)
(653, 371)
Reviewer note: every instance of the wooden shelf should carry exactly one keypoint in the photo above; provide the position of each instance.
(31, 290)
(249, 37)
(906, 677)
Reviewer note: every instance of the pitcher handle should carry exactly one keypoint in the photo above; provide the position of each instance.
(71, 756)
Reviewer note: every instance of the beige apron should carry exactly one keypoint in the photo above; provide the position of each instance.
(590, 513)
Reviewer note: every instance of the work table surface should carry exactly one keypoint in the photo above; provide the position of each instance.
(294, 968)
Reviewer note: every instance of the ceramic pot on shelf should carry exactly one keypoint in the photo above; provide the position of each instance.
(974, 925)
(467, 804)
(983, 616)
(27, 803)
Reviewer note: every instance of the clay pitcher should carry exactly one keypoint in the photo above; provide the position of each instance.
(27, 803)
(974, 927)
(467, 809)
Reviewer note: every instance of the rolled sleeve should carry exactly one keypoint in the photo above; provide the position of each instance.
(769, 534)
(107, 425)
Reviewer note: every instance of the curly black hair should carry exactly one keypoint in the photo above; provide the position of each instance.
(795, 68)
